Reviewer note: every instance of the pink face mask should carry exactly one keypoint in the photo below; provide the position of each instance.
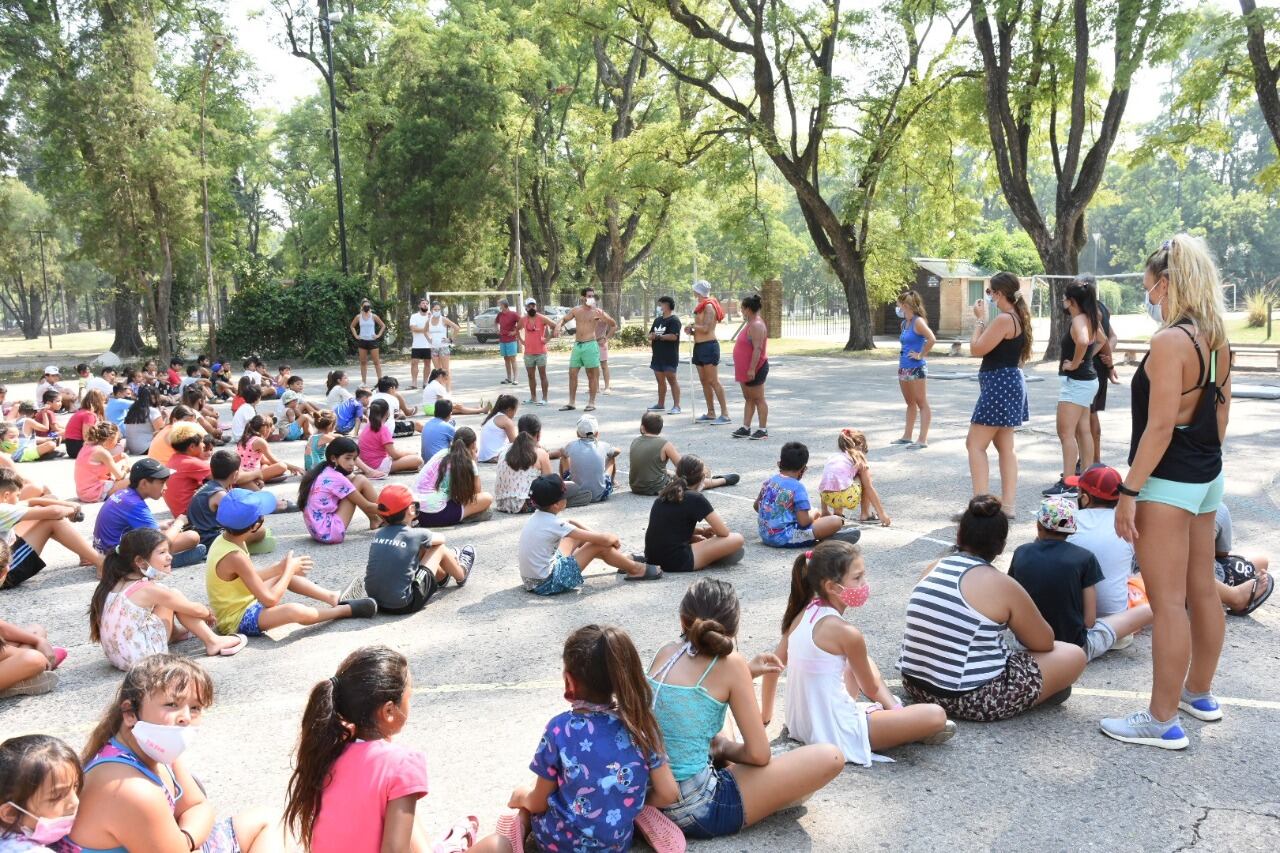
(855, 597)
(47, 829)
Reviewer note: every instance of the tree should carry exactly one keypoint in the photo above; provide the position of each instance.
(1266, 77)
(22, 214)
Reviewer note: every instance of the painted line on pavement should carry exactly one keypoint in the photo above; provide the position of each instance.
(919, 536)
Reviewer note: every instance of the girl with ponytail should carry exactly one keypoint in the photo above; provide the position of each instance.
(377, 443)
(596, 761)
(821, 654)
(523, 462)
(724, 785)
(449, 486)
(96, 473)
(1004, 345)
(674, 540)
(846, 481)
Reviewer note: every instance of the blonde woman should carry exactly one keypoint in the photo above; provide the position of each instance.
(917, 341)
(1004, 345)
(1181, 403)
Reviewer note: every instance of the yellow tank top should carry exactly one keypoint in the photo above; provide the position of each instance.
(228, 599)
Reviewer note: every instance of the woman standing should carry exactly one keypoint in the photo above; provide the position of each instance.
(1004, 345)
(1078, 379)
(367, 327)
(440, 331)
(751, 369)
(917, 341)
(1168, 500)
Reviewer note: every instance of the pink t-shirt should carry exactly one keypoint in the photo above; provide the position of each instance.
(373, 444)
(838, 474)
(367, 776)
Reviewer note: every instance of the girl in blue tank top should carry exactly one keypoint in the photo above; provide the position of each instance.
(917, 340)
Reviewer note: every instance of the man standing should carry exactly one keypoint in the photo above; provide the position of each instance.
(532, 332)
(586, 352)
(506, 323)
(706, 352)
(664, 337)
(420, 351)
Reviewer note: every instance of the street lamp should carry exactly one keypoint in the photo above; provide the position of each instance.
(216, 43)
(1097, 238)
(327, 21)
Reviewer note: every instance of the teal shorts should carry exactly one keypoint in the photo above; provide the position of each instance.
(585, 354)
(1195, 498)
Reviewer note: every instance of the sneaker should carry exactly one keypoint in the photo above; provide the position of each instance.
(1059, 489)
(1202, 706)
(353, 590)
(674, 410)
(704, 419)
(35, 685)
(655, 408)
(847, 534)
(363, 608)
(900, 441)
(1142, 728)
(1122, 643)
(466, 559)
(947, 733)
(741, 432)
(760, 435)
(722, 420)
(732, 479)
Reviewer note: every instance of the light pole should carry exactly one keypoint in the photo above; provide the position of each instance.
(215, 44)
(44, 278)
(1097, 238)
(326, 31)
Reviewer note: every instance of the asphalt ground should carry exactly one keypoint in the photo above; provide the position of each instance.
(486, 658)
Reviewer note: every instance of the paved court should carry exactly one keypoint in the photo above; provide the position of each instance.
(486, 658)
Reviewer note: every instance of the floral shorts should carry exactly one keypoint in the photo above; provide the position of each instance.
(910, 374)
(1007, 695)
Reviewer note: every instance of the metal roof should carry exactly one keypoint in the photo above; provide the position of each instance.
(951, 268)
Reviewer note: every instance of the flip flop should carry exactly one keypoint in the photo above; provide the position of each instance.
(651, 573)
(1256, 600)
(567, 408)
(59, 655)
(460, 837)
(241, 642)
(589, 409)
(511, 828)
(660, 831)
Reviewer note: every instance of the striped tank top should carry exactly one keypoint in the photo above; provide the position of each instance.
(948, 644)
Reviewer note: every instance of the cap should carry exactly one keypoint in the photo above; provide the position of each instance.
(1100, 481)
(53, 368)
(147, 469)
(217, 365)
(240, 509)
(702, 287)
(1057, 514)
(393, 500)
(587, 425)
(531, 301)
(546, 490)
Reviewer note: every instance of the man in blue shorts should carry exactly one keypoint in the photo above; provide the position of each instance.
(706, 352)
(508, 342)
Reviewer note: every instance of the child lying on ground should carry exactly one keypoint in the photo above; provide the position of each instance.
(649, 455)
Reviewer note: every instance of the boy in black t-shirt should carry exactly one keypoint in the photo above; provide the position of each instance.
(1060, 578)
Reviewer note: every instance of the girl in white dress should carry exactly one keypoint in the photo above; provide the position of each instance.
(828, 667)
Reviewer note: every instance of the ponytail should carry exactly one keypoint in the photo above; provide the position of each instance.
(252, 430)
(605, 666)
(689, 474)
(506, 404)
(828, 561)
(853, 443)
(379, 411)
(333, 380)
(121, 561)
(1008, 284)
(523, 453)
(459, 467)
(172, 673)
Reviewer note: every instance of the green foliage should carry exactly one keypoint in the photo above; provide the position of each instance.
(633, 336)
(1000, 249)
(1258, 306)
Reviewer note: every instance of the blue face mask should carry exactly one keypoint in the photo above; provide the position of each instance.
(991, 300)
(1154, 311)
(898, 310)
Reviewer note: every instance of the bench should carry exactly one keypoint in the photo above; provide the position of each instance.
(953, 345)
(1131, 350)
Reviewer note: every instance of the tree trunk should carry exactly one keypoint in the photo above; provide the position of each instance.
(124, 305)
(852, 273)
(72, 315)
(1265, 76)
(162, 306)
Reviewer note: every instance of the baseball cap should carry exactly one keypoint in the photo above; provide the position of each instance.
(1057, 514)
(1100, 481)
(217, 365)
(53, 369)
(393, 500)
(147, 469)
(587, 425)
(546, 490)
(702, 287)
(531, 301)
(240, 509)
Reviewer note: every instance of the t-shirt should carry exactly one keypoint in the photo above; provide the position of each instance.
(647, 472)
(780, 499)
(600, 777)
(435, 390)
(186, 382)
(97, 383)
(666, 352)
(506, 321)
(337, 395)
(372, 443)
(348, 413)
(671, 525)
(535, 336)
(1096, 533)
(588, 459)
(1222, 530)
(121, 512)
(539, 544)
(79, 421)
(240, 420)
(393, 559)
(418, 325)
(10, 516)
(204, 519)
(437, 435)
(172, 377)
(1055, 574)
(189, 473)
(117, 408)
(353, 806)
(838, 474)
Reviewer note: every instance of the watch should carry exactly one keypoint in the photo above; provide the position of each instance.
(1125, 490)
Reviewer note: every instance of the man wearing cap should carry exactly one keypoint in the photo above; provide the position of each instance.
(127, 509)
(706, 352)
(590, 462)
(1062, 580)
(52, 381)
(586, 352)
(532, 332)
(508, 341)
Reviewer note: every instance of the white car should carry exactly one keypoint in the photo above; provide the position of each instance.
(485, 325)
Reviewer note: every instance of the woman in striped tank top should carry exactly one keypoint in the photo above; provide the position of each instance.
(954, 652)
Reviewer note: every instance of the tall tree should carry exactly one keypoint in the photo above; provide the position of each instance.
(1266, 76)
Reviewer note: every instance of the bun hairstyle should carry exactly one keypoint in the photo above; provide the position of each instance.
(606, 667)
(912, 300)
(984, 528)
(853, 444)
(828, 561)
(326, 420)
(690, 473)
(709, 614)
(1195, 289)
(1007, 283)
(752, 303)
(149, 675)
(100, 432)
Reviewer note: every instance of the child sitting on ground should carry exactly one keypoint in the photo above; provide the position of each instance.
(522, 463)
(449, 486)
(92, 409)
(597, 761)
(326, 425)
(96, 473)
(1244, 582)
(846, 481)
(133, 613)
(118, 405)
(351, 411)
(554, 551)
(255, 451)
(246, 599)
(22, 440)
(377, 443)
(828, 667)
(783, 508)
(202, 511)
(590, 462)
(299, 412)
(649, 455)
(388, 389)
(190, 464)
(330, 493)
(40, 781)
(45, 421)
(127, 509)
(250, 394)
(673, 540)
(27, 660)
(27, 526)
(438, 432)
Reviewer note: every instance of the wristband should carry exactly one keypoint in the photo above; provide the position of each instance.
(1125, 490)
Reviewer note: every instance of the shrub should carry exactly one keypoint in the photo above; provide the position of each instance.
(1257, 306)
(633, 336)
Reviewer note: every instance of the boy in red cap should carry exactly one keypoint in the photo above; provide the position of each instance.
(1098, 489)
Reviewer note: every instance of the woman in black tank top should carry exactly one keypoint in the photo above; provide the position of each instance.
(1077, 380)
(1181, 395)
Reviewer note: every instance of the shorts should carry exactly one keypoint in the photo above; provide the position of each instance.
(707, 352)
(565, 575)
(663, 367)
(508, 348)
(1234, 570)
(850, 498)
(420, 353)
(603, 343)
(762, 373)
(1007, 695)
(788, 537)
(1195, 498)
(423, 586)
(383, 467)
(451, 513)
(441, 351)
(710, 805)
(293, 432)
(675, 561)
(1077, 392)
(911, 374)
(367, 345)
(24, 564)
(1098, 640)
(222, 838)
(585, 354)
(72, 446)
(1099, 403)
(327, 529)
(532, 361)
(249, 621)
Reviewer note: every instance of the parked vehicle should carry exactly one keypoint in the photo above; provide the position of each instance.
(485, 325)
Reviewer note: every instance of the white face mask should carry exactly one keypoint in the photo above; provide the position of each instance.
(435, 314)
(163, 743)
(901, 314)
(591, 302)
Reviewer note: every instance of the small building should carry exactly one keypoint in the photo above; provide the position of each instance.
(948, 287)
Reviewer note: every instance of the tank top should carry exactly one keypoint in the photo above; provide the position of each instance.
(117, 753)
(228, 599)
(315, 453)
(367, 327)
(689, 718)
(128, 632)
(438, 332)
(91, 477)
(912, 341)
(1007, 353)
(742, 350)
(492, 440)
(1194, 454)
(1086, 371)
(250, 459)
(648, 470)
(948, 643)
(819, 707)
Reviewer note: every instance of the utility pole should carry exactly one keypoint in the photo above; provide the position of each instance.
(215, 44)
(1097, 238)
(44, 278)
(326, 30)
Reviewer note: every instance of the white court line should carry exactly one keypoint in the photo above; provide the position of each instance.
(919, 536)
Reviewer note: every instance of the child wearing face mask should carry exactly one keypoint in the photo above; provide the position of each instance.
(133, 613)
(828, 667)
(146, 729)
(40, 781)
(330, 494)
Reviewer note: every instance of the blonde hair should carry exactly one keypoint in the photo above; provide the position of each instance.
(100, 432)
(853, 444)
(1195, 289)
(912, 300)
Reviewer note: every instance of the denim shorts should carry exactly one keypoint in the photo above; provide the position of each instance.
(1078, 392)
(1195, 498)
(710, 805)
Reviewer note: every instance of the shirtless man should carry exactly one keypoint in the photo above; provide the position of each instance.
(706, 352)
(586, 352)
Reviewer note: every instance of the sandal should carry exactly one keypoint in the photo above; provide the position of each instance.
(589, 408)
(231, 651)
(1256, 600)
(567, 408)
(460, 837)
(651, 573)
(660, 831)
(511, 827)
